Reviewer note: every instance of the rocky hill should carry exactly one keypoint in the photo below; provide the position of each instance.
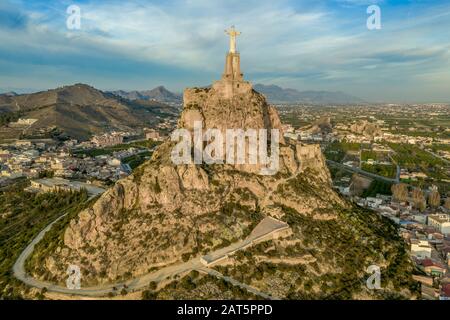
(158, 94)
(9, 94)
(322, 125)
(80, 111)
(365, 128)
(165, 215)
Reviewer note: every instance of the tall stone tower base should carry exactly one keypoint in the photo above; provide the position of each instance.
(232, 81)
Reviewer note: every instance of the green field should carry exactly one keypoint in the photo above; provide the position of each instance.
(413, 158)
(388, 171)
(136, 160)
(336, 151)
(440, 147)
(142, 144)
(378, 187)
(374, 155)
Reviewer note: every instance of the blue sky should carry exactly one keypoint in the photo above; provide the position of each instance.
(306, 45)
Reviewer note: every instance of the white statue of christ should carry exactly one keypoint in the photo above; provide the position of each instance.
(233, 34)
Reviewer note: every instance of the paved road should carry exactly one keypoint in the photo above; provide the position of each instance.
(362, 172)
(19, 265)
(134, 284)
(266, 227)
(435, 155)
(100, 290)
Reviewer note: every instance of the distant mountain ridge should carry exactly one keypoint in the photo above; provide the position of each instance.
(158, 94)
(276, 94)
(9, 94)
(81, 110)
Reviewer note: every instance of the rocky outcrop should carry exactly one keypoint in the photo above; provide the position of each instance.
(311, 156)
(244, 111)
(165, 212)
(366, 128)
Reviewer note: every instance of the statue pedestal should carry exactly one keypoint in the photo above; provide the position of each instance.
(229, 88)
(232, 81)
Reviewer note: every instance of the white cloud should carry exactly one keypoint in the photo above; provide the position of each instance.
(304, 46)
(189, 36)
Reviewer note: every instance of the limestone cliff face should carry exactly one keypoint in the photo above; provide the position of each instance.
(247, 110)
(165, 212)
(310, 156)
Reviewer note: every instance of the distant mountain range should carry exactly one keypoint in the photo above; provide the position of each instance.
(9, 94)
(276, 94)
(158, 94)
(273, 93)
(80, 110)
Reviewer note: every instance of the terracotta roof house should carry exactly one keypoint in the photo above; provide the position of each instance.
(433, 267)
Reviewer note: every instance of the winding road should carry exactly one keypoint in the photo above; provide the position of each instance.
(133, 284)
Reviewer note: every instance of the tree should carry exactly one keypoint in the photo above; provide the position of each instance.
(152, 285)
(46, 174)
(185, 257)
(434, 199)
(422, 205)
(418, 199)
(148, 295)
(357, 186)
(400, 192)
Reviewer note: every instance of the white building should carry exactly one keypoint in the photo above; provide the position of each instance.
(106, 140)
(344, 190)
(55, 184)
(114, 162)
(419, 218)
(440, 222)
(420, 249)
(26, 122)
(373, 202)
(152, 134)
(387, 210)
